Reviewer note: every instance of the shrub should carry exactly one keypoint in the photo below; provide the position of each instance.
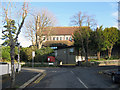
(26, 54)
(41, 54)
(6, 52)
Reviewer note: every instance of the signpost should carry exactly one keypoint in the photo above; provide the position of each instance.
(33, 55)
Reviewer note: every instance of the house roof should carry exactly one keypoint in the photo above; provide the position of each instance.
(61, 30)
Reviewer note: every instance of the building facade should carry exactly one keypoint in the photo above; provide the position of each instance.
(59, 36)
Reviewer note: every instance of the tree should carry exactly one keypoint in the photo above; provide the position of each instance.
(98, 41)
(30, 29)
(83, 34)
(42, 54)
(6, 52)
(111, 37)
(11, 33)
(42, 21)
(79, 20)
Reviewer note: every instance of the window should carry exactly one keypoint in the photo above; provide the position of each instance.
(66, 38)
(71, 50)
(57, 38)
(53, 38)
(60, 38)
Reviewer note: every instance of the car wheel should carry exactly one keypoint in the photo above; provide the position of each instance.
(114, 79)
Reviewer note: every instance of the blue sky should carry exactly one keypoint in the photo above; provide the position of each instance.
(102, 11)
(105, 13)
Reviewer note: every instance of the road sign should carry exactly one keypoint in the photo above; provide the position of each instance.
(33, 55)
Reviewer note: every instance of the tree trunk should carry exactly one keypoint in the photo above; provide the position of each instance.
(40, 45)
(98, 55)
(109, 52)
(12, 47)
(86, 54)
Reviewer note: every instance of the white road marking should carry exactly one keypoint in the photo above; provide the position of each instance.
(80, 80)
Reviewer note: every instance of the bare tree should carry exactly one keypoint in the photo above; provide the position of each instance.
(30, 30)
(11, 32)
(90, 23)
(43, 21)
(80, 20)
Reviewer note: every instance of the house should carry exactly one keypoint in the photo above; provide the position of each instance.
(61, 38)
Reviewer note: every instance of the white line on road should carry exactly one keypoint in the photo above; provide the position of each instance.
(80, 80)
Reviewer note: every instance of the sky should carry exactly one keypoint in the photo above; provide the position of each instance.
(105, 13)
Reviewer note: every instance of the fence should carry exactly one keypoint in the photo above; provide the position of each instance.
(6, 68)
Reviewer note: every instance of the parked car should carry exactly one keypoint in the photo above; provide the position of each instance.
(116, 76)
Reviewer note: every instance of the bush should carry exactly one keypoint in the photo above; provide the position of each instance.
(43, 53)
(89, 64)
(26, 54)
(113, 57)
(40, 54)
(6, 52)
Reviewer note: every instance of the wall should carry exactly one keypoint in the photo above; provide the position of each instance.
(6, 68)
(66, 56)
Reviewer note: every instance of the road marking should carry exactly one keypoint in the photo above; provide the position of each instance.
(40, 78)
(80, 80)
(28, 82)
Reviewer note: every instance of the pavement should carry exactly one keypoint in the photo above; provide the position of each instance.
(23, 78)
(109, 71)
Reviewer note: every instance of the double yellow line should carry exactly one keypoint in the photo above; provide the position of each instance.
(40, 78)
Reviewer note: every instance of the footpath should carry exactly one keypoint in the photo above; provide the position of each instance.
(23, 78)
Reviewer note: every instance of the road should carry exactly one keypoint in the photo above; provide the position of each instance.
(74, 77)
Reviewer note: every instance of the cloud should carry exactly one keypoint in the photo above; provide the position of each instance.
(115, 14)
(115, 17)
(24, 42)
(114, 6)
(115, 25)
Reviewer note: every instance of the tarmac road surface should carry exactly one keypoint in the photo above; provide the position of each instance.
(73, 77)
